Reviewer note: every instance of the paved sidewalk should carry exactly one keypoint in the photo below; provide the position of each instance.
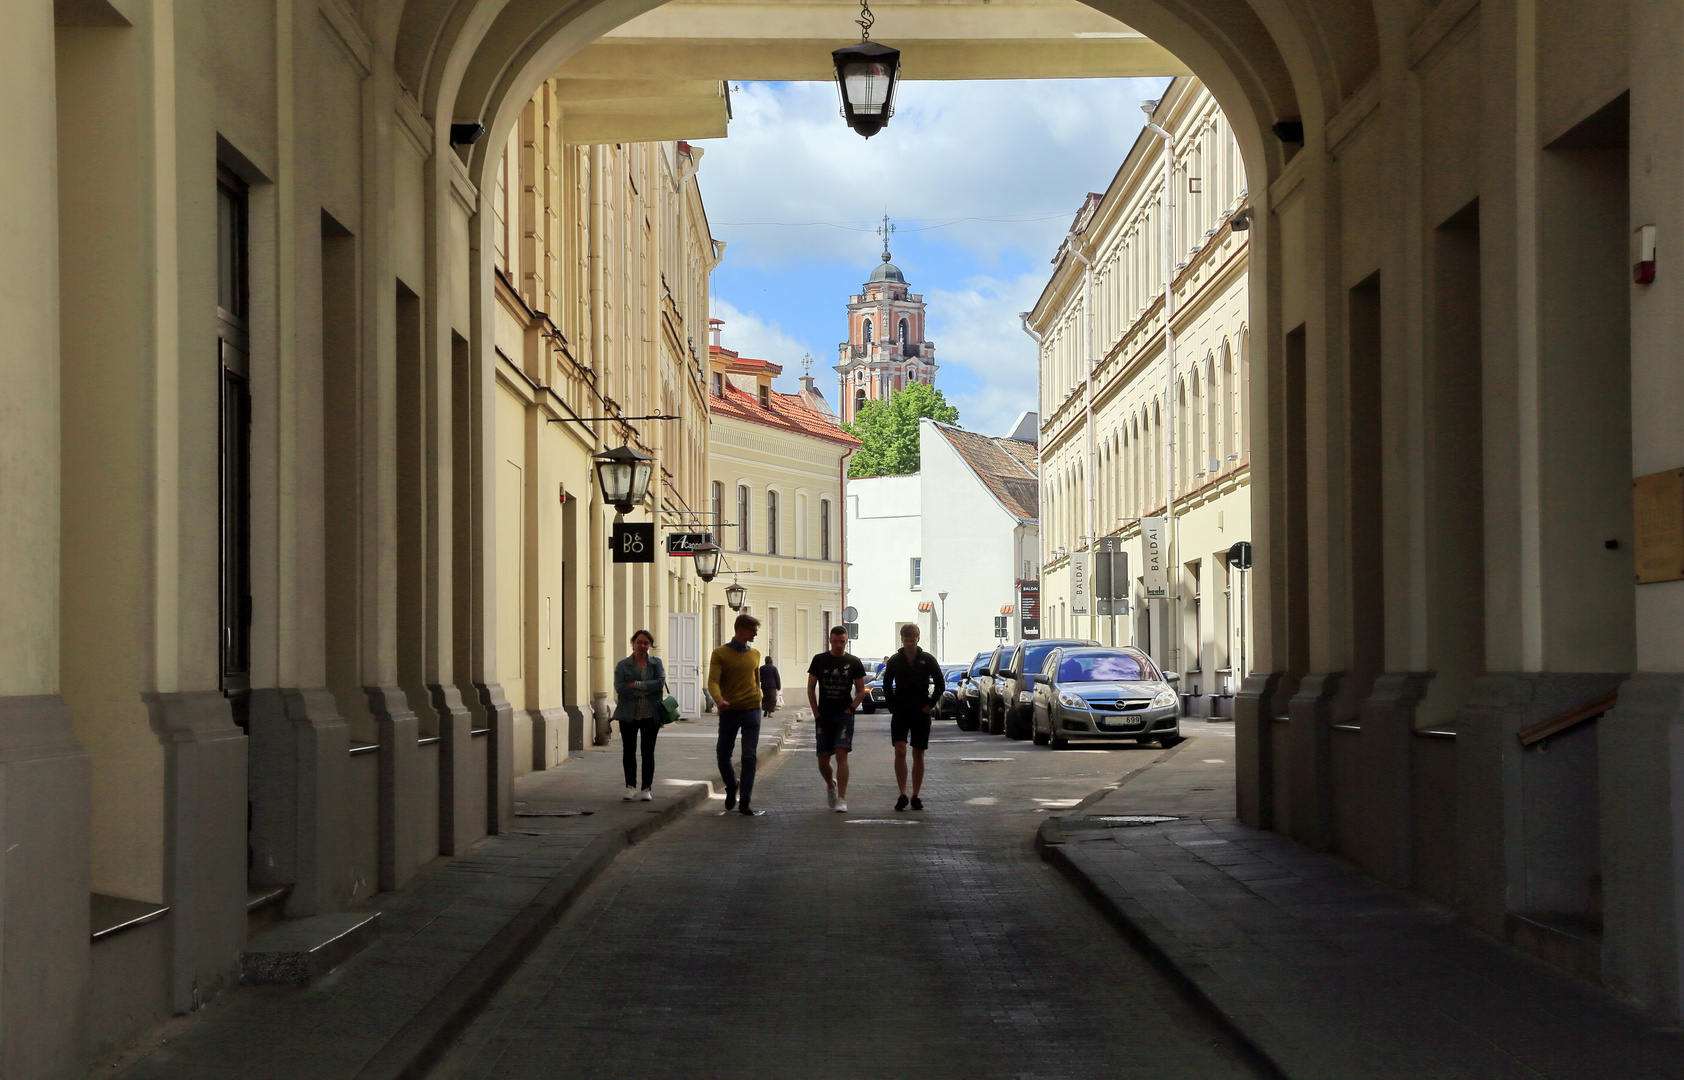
(1325, 972)
(452, 935)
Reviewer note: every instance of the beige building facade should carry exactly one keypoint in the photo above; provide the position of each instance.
(1456, 379)
(777, 464)
(1115, 406)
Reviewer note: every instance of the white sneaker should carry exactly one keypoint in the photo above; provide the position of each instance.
(647, 795)
(830, 796)
(631, 793)
(841, 806)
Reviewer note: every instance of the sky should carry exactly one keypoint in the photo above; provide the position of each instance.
(981, 180)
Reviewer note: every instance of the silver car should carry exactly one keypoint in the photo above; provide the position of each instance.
(1104, 693)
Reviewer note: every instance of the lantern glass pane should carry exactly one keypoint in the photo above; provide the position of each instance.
(867, 85)
(641, 475)
(616, 480)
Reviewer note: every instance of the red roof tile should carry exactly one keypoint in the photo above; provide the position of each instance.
(787, 413)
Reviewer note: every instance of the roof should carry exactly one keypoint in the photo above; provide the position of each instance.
(1006, 467)
(888, 271)
(788, 412)
(743, 364)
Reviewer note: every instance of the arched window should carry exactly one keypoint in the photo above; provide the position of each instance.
(771, 523)
(742, 517)
(903, 331)
(867, 331)
(859, 401)
(824, 532)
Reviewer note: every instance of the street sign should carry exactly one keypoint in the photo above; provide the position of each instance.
(853, 629)
(1081, 583)
(1239, 556)
(632, 541)
(1152, 546)
(1029, 607)
(684, 544)
(850, 614)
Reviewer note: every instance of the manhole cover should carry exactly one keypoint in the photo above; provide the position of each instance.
(981, 760)
(554, 813)
(879, 821)
(1134, 819)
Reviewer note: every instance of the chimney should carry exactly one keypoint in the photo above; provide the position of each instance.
(714, 326)
(807, 386)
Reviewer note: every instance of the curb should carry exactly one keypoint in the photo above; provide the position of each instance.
(417, 1045)
(1257, 1038)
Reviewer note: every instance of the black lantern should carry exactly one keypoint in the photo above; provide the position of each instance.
(705, 557)
(734, 594)
(624, 475)
(865, 77)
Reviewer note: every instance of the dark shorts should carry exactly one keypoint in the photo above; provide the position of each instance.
(835, 733)
(911, 728)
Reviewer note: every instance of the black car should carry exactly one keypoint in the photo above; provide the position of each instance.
(988, 710)
(874, 699)
(1014, 685)
(969, 695)
(948, 706)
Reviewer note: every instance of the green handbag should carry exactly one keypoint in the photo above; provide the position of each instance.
(669, 710)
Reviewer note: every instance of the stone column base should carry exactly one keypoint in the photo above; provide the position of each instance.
(299, 768)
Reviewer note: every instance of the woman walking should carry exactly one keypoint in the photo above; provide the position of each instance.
(639, 681)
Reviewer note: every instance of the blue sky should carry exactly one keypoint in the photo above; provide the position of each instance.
(1024, 151)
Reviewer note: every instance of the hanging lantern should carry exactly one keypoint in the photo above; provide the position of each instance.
(734, 594)
(624, 475)
(865, 77)
(705, 557)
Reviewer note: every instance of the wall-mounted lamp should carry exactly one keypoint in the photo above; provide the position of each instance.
(1241, 220)
(466, 134)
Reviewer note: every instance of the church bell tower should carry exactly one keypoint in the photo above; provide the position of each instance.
(886, 349)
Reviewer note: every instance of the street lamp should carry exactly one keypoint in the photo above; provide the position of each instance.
(706, 560)
(734, 594)
(865, 76)
(624, 475)
(941, 646)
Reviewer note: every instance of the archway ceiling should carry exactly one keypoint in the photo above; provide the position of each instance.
(610, 92)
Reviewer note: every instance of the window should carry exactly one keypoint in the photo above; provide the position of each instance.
(859, 401)
(765, 396)
(824, 535)
(917, 573)
(742, 517)
(718, 384)
(234, 465)
(718, 509)
(903, 338)
(771, 523)
(867, 332)
(826, 628)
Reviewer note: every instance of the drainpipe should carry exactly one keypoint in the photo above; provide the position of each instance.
(1087, 468)
(598, 659)
(842, 529)
(1173, 601)
(1040, 533)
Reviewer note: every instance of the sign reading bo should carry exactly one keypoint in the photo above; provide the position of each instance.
(632, 541)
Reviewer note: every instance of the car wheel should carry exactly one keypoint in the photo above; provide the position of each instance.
(995, 725)
(1055, 741)
(1016, 726)
(1167, 741)
(1040, 737)
(867, 706)
(967, 720)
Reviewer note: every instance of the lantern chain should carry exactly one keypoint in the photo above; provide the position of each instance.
(865, 21)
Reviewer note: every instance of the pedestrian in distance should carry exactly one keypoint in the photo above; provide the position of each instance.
(770, 683)
(639, 682)
(734, 682)
(835, 687)
(912, 684)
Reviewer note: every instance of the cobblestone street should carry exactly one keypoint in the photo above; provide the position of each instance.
(809, 944)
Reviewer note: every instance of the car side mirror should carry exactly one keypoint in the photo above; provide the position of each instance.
(1042, 680)
(1172, 676)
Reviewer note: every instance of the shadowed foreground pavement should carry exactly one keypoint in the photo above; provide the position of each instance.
(809, 944)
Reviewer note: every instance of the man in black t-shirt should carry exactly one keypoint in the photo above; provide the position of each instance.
(835, 685)
(912, 684)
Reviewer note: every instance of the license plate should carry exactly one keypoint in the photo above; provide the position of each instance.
(1025, 697)
(1120, 725)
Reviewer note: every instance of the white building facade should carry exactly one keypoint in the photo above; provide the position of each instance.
(1107, 431)
(965, 525)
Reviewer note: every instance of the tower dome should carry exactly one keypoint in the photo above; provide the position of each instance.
(888, 271)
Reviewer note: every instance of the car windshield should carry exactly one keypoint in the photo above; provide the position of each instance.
(954, 674)
(981, 664)
(1104, 667)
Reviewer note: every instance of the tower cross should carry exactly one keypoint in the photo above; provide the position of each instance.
(885, 230)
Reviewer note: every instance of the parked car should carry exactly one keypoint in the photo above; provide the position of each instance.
(1013, 686)
(948, 706)
(1103, 693)
(968, 694)
(874, 699)
(988, 712)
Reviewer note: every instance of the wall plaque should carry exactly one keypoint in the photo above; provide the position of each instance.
(1657, 503)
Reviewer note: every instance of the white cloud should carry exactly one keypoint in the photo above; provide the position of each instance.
(748, 334)
(954, 149)
(976, 330)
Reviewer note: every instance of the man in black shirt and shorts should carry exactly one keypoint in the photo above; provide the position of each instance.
(912, 684)
(835, 685)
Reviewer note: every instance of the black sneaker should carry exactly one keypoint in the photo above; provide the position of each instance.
(900, 803)
(917, 803)
(730, 800)
(745, 811)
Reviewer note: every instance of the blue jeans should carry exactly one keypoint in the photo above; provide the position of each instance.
(746, 721)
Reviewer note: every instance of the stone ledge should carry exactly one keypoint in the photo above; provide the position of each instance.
(296, 952)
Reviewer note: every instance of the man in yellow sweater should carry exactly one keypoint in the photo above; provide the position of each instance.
(734, 682)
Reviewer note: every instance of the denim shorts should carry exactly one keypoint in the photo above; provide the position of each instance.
(835, 733)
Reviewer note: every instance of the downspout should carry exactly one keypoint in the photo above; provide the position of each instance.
(1173, 600)
(1040, 471)
(842, 529)
(598, 659)
(1088, 466)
